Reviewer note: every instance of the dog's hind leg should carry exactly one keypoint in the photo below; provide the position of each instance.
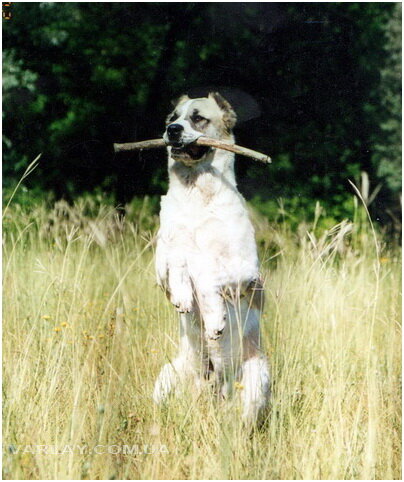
(255, 388)
(168, 379)
(186, 365)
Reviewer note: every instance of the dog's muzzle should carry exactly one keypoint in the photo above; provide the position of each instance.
(181, 139)
(189, 154)
(174, 134)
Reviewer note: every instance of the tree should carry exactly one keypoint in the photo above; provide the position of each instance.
(387, 150)
(314, 86)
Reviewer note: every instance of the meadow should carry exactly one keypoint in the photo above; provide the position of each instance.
(86, 331)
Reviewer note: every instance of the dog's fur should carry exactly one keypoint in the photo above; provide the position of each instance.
(206, 261)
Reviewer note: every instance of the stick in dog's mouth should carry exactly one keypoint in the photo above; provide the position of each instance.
(201, 141)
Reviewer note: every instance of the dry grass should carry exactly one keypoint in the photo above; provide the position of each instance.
(85, 332)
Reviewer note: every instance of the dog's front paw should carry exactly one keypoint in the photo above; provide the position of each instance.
(183, 301)
(214, 334)
(215, 327)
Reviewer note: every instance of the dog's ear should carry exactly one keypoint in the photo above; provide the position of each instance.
(229, 116)
(179, 100)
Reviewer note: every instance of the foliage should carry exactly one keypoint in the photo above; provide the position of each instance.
(387, 156)
(315, 85)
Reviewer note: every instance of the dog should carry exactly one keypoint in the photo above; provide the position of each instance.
(207, 262)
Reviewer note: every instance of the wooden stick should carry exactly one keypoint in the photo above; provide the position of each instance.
(136, 146)
(201, 141)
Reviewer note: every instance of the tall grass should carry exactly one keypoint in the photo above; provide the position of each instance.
(86, 330)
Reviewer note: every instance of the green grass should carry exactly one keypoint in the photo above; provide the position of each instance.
(86, 331)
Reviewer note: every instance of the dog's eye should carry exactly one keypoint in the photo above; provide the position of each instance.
(199, 118)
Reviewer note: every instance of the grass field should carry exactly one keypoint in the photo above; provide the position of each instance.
(86, 330)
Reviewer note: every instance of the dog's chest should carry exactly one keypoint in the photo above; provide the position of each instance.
(206, 189)
(203, 203)
(197, 207)
(197, 188)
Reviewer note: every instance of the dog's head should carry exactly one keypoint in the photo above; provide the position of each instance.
(210, 116)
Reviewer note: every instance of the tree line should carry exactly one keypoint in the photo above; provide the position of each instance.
(317, 86)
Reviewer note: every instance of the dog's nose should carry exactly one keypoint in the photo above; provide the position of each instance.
(174, 131)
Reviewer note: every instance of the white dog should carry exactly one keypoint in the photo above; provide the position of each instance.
(207, 263)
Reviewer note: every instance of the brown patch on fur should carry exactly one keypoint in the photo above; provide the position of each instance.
(187, 174)
(175, 103)
(229, 116)
(179, 100)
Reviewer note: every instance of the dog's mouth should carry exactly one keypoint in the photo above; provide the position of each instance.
(188, 153)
